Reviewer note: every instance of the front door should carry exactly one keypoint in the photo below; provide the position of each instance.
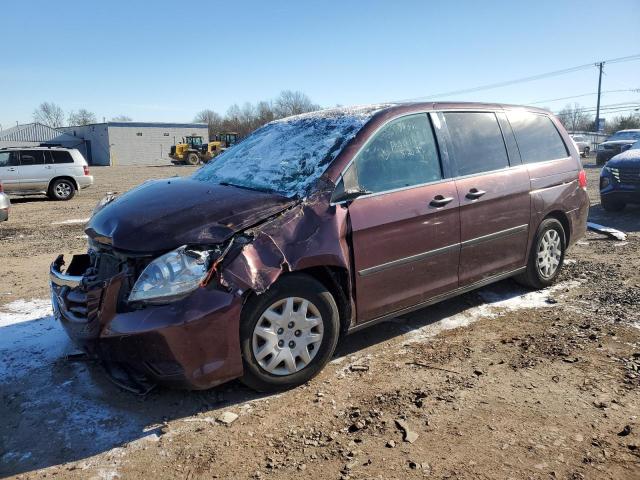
(495, 204)
(9, 172)
(406, 231)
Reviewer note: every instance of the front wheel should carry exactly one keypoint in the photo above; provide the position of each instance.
(288, 333)
(193, 159)
(546, 256)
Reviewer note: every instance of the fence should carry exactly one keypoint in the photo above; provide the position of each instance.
(594, 138)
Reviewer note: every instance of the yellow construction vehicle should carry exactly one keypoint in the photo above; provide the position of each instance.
(193, 151)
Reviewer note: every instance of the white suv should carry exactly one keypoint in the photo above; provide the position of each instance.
(54, 171)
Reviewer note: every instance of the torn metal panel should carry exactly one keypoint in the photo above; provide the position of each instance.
(308, 235)
(608, 231)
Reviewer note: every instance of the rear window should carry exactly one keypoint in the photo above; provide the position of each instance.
(537, 137)
(61, 156)
(477, 142)
(32, 157)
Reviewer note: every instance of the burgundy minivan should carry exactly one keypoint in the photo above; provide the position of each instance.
(315, 226)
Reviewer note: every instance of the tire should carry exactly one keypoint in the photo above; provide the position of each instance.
(587, 150)
(62, 189)
(611, 205)
(290, 340)
(538, 274)
(193, 159)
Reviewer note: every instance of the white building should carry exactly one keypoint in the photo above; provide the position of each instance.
(133, 143)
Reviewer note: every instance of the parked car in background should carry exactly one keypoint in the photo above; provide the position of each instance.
(620, 180)
(314, 226)
(616, 143)
(582, 144)
(53, 171)
(5, 205)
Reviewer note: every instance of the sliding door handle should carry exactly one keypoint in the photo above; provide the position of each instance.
(440, 201)
(474, 194)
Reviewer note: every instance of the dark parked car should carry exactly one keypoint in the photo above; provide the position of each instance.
(615, 144)
(620, 180)
(315, 226)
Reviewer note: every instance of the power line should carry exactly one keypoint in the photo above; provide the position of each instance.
(635, 90)
(524, 79)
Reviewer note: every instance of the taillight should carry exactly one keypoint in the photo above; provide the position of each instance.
(1, 188)
(582, 179)
(86, 169)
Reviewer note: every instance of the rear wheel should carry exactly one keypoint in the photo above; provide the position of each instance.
(193, 159)
(587, 150)
(546, 256)
(62, 189)
(288, 333)
(611, 205)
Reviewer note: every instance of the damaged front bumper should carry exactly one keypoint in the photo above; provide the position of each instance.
(190, 343)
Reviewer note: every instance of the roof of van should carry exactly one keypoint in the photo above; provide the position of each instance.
(372, 109)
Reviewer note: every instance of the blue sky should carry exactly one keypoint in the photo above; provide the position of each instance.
(164, 61)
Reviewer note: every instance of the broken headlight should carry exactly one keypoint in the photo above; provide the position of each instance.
(171, 276)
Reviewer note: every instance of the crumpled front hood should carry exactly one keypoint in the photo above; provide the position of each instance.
(161, 215)
(629, 158)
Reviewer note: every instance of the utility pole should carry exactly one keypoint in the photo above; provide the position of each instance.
(599, 87)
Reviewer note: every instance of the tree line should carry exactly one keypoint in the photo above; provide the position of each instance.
(576, 119)
(52, 115)
(246, 118)
(241, 119)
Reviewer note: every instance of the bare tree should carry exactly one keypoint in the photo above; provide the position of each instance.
(50, 114)
(121, 118)
(574, 118)
(212, 119)
(81, 117)
(265, 112)
(293, 103)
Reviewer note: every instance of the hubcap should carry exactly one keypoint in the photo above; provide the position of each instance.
(549, 253)
(287, 336)
(63, 190)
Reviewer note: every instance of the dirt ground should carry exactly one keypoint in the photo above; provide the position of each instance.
(499, 383)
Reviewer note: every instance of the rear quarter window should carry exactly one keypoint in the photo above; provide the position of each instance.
(537, 137)
(477, 142)
(60, 156)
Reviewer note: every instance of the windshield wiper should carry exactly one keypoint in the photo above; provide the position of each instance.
(229, 184)
(255, 189)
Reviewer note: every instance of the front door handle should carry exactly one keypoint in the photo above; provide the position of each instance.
(12, 169)
(440, 201)
(474, 194)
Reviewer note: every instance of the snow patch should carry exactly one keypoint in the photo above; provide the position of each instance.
(61, 402)
(499, 299)
(72, 221)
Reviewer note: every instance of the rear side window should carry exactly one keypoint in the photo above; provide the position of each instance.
(402, 154)
(61, 156)
(477, 142)
(537, 137)
(32, 157)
